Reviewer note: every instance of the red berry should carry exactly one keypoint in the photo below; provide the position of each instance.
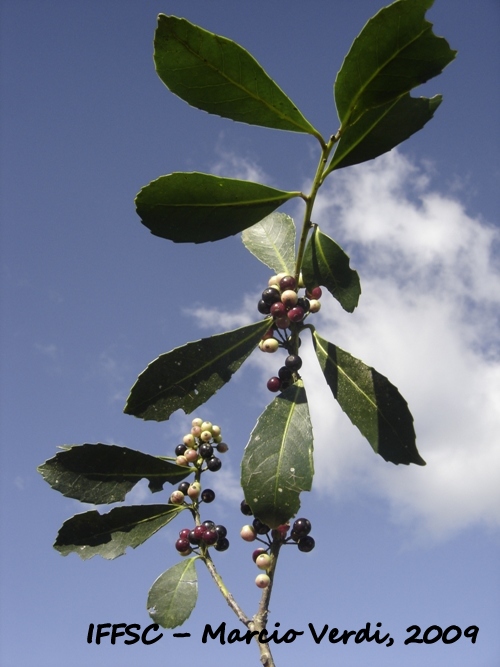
(315, 293)
(296, 314)
(278, 309)
(182, 545)
(274, 384)
(210, 537)
(184, 532)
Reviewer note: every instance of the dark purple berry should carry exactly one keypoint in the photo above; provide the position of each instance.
(274, 384)
(210, 537)
(296, 314)
(263, 307)
(194, 538)
(221, 530)
(214, 464)
(182, 545)
(222, 447)
(208, 496)
(245, 508)
(183, 487)
(270, 296)
(306, 543)
(288, 282)
(222, 544)
(180, 449)
(301, 527)
(293, 362)
(205, 450)
(285, 374)
(260, 527)
(258, 552)
(303, 303)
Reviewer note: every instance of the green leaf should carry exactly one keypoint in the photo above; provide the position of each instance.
(195, 208)
(278, 463)
(325, 263)
(173, 595)
(381, 129)
(395, 51)
(371, 402)
(217, 75)
(108, 535)
(106, 473)
(189, 375)
(272, 241)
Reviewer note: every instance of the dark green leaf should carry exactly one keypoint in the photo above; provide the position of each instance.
(217, 75)
(189, 375)
(106, 473)
(195, 208)
(325, 263)
(173, 595)
(381, 129)
(272, 241)
(395, 51)
(278, 463)
(108, 535)
(371, 402)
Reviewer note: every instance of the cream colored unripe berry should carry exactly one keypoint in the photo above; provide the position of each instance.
(194, 490)
(262, 580)
(216, 430)
(206, 426)
(270, 345)
(273, 281)
(182, 461)
(314, 305)
(197, 422)
(176, 497)
(189, 440)
(289, 297)
(263, 561)
(191, 455)
(206, 436)
(248, 533)
(196, 431)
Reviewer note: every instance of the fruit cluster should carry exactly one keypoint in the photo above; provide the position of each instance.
(206, 533)
(281, 300)
(299, 535)
(199, 446)
(197, 451)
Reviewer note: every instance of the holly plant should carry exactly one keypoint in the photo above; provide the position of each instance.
(395, 52)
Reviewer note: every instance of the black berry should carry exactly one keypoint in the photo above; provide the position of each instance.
(222, 544)
(221, 530)
(260, 527)
(214, 464)
(306, 543)
(285, 374)
(208, 525)
(245, 508)
(263, 307)
(208, 496)
(293, 362)
(205, 450)
(301, 527)
(180, 449)
(270, 296)
(303, 303)
(183, 487)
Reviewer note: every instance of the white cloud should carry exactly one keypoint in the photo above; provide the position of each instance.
(428, 319)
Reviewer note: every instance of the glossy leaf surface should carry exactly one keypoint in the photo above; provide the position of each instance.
(278, 459)
(272, 241)
(215, 74)
(396, 51)
(189, 207)
(381, 129)
(371, 402)
(326, 264)
(173, 595)
(105, 473)
(108, 535)
(189, 375)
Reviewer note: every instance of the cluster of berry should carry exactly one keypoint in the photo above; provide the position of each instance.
(198, 451)
(198, 446)
(206, 533)
(281, 300)
(299, 535)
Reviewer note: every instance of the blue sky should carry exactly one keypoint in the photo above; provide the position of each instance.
(89, 298)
